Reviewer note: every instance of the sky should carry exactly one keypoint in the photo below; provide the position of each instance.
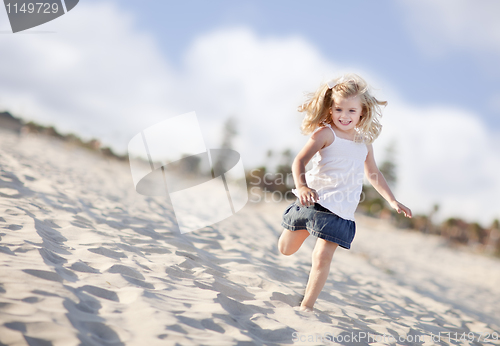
(109, 69)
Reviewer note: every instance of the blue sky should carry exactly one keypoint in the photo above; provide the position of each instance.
(375, 35)
(109, 69)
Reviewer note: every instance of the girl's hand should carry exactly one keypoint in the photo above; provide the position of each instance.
(307, 196)
(399, 207)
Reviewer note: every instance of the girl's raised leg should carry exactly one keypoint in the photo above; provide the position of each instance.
(321, 259)
(290, 242)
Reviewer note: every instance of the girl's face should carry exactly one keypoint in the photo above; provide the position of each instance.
(346, 113)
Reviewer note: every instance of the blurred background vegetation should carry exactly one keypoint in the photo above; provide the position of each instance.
(457, 232)
(274, 179)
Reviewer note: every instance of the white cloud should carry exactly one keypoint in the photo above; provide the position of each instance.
(445, 156)
(99, 76)
(443, 26)
(95, 75)
(260, 81)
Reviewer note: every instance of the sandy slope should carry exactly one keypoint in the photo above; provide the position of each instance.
(86, 260)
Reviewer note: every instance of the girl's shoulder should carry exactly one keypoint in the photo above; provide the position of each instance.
(325, 135)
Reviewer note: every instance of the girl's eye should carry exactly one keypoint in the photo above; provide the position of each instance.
(337, 110)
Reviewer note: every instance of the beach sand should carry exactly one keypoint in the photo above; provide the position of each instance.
(85, 260)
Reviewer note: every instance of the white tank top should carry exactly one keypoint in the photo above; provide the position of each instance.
(337, 175)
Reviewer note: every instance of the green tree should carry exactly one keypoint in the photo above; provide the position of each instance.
(388, 166)
(229, 132)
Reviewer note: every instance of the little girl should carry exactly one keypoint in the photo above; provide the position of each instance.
(343, 118)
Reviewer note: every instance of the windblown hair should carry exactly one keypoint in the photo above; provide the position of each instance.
(318, 105)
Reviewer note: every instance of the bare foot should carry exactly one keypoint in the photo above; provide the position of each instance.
(306, 308)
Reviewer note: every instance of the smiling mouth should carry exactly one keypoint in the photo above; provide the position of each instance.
(345, 122)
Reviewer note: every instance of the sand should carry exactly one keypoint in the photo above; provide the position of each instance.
(85, 260)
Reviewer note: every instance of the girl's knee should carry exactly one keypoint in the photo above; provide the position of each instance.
(321, 259)
(286, 251)
(322, 255)
(285, 248)
(289, 242)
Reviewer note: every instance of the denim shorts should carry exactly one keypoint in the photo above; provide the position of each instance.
(320, 222)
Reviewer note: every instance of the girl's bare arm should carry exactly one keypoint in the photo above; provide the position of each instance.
(318, 140)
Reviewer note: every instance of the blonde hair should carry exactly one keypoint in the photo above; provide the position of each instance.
(317, 107)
